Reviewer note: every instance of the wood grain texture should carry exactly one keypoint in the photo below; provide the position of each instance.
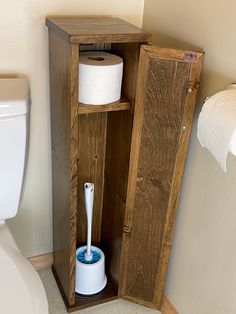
(180, 158)
(133, 151)
(95, 46)
(117, 153)
(109, 293)
(179, 55)
(129, 52)
(159, 141)
(133, 165)
(122, 104)
(92, 146)
(119, 130)
(74, 153)
(92, 30)
(159, 169)
(64, 130)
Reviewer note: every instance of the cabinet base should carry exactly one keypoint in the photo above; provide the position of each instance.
(109, 293)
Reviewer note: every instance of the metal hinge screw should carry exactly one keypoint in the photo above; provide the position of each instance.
(189, 90)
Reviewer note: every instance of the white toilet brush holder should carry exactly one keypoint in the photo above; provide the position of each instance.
(90, 278)
(90, 260)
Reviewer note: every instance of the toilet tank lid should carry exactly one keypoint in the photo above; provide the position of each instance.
(14, 96)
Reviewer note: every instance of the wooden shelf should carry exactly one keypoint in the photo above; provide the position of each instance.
(121, 104)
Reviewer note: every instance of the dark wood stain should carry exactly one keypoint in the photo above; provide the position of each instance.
(96, 29)
(159, 171)
(122, 104)
(64, 114)
(109, 293)
(119, 131)
(133, 150)
(92, 144)
(162, 121)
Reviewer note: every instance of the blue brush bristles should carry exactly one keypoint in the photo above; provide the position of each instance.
(95, 259)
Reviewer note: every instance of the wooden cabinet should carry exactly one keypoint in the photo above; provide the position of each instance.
(133, 150)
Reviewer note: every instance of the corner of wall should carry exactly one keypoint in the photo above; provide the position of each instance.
(142, 12)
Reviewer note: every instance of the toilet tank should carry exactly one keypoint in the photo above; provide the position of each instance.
(14, 129)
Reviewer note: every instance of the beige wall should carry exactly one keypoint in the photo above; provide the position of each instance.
(202, 273)
(24, 50)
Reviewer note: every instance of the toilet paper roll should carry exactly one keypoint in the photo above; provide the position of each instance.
(100, 77)
(217, 124)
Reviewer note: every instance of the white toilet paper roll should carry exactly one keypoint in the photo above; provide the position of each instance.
(217, 124)
(100, 77)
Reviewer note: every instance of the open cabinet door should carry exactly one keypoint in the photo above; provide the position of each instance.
(167, 85)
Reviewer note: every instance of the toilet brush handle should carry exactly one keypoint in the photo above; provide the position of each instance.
(89, 197)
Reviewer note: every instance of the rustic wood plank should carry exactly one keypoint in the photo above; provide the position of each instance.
(158, 52)
(109, 293)
(122, 104)
(132, 173)
(185, 131)
(117, 162)
(60, 115)
(63, 93)
(130, 54)
(147, 245)
(157, 151)
(116, 166)
(94, 29)
(74, 153)
(145, 217)
(95, 46)
(92, 147)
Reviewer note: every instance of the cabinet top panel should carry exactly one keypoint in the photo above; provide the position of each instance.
(77, 29)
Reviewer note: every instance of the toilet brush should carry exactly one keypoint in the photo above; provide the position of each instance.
(89, 197)
(88, 256)
(90, 260)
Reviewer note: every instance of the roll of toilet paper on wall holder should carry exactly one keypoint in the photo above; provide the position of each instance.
(100, 78)
(217, 124)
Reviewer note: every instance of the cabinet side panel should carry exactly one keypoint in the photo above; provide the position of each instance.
(130, 53)
(164, 101)
(115, 183)
(64, 130)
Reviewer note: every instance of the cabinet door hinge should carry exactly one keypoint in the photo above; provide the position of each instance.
(127, 230)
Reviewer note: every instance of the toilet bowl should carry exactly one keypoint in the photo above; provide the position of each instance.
(21, 290)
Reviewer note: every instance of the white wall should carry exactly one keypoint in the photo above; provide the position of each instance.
(24, 50)
(202, 272)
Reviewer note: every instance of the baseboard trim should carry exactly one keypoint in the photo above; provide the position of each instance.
(167, 307)
(42, 261)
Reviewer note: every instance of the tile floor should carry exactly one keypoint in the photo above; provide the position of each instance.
(56, 305)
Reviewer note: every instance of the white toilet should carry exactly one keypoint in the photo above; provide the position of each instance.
(21, 290)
